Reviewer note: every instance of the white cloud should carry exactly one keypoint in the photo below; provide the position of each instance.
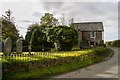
(27, 13)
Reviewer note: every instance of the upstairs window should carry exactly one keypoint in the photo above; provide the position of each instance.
(92, 34)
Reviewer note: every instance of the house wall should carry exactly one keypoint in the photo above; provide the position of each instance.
(99, 35)
(79, 35)
(86, 36)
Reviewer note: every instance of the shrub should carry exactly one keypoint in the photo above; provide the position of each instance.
(75, 48)
(100, 51)
(52, 50)
(63, 37)
(115, 43)
(38, 40)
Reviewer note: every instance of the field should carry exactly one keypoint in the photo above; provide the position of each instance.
(42, 65)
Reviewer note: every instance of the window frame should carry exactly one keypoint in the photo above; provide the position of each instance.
(91, 34)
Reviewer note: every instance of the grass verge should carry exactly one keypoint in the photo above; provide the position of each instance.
(110, 54)
(52, 70)
(62, 67)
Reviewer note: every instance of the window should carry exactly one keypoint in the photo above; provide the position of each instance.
(92, 34)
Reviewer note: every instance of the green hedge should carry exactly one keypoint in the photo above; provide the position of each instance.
(87, 57)
(75, 48)
(115, 43)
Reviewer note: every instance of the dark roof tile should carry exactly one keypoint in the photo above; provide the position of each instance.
(89, 26)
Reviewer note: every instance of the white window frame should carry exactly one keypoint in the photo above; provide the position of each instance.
(94, 34)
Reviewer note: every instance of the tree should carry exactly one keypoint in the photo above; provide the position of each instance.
(8, 27)
(9, 30)
(48, 20)
(30, 29)
(33, 37)
(36, 38)
(63, 37)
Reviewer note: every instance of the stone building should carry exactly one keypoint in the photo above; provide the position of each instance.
(90, 33)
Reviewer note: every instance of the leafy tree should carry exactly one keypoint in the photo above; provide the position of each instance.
(33, 37)
(30, 29)
(48, 20)
(9, 30)
(36, 38)
(63, 37)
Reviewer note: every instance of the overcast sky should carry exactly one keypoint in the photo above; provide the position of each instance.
(27, 13)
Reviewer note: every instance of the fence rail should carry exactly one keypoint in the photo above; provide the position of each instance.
(25, 57)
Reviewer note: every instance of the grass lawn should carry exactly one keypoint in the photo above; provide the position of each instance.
(42, 56)
(48, 64)
(52, 70)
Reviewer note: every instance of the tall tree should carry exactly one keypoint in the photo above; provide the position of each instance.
(36, 38)
(9, 29)
(30, 29)
(48, 20)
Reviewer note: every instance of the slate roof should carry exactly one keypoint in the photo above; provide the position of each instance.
(89, 26)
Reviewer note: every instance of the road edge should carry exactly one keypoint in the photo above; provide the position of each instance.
(110, 51)
(110, 54)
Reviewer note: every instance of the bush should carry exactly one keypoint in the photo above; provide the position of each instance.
(115, 43)
(100, 51)
(83, 57)
(37, 38)
(52, 50)
(63, 37)
(75, 48)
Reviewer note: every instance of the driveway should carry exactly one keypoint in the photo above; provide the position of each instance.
(106, 69)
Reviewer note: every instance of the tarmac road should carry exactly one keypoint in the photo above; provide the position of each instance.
(105, 69)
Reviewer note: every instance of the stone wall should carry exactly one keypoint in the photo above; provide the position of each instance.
(86, 37)
(79, 35)
(99, 35)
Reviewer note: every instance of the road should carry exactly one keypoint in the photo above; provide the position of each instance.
(106, 69)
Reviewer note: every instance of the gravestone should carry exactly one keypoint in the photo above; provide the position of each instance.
(7, 46)
(19, 46)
